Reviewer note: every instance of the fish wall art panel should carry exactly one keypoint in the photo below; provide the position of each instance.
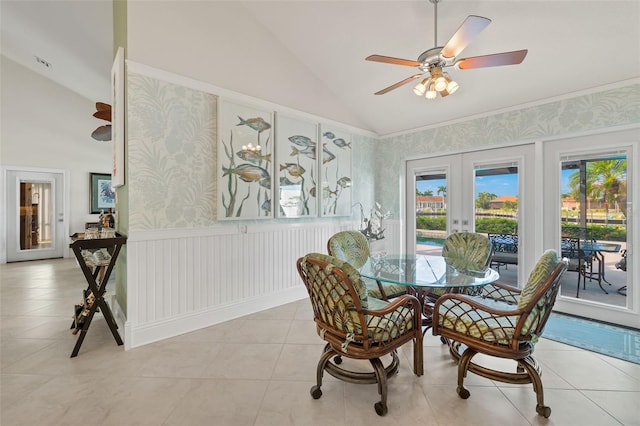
(245, 162)
(335, 171)
(297, 162)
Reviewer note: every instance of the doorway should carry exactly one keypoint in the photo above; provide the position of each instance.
(35, 215)
(489, 191)
(592, 181)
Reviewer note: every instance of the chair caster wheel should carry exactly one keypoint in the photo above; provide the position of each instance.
(316, 392)
(543, 410)
(381, 409)
(337, 360)
(462, 392)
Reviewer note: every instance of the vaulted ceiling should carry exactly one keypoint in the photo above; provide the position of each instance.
(574, 46)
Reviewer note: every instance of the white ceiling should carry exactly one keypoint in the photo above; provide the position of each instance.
(574, 45)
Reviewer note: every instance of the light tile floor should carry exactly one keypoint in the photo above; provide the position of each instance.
(257, 370)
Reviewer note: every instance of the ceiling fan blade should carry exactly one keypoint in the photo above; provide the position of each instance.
(103, 114)
(398, 84)
(102, 133)
(470, 28)
(101, 106)
(391, 60)
(495, 60)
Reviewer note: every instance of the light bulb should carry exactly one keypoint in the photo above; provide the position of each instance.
(452, 87)
(431, 93)
(421, 87)
(441, 84)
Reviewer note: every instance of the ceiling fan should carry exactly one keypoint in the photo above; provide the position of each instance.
(103, 112)
(432, 62)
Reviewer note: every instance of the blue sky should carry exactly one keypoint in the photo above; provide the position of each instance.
(498, 184)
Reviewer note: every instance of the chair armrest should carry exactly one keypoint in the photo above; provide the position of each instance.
(500, 291)
(404, 301)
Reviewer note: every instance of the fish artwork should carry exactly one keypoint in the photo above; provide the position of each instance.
(344, 182)
(252, 156)
(327, 155)
(293, 169)
(248, 173)
(285, 181)
(258, 124)
(329, 135)
(301, 141)
(266, 206)
(307, 152)
(341, 143)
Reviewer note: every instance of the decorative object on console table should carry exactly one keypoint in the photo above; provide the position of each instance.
(335, 172)
(102, 196)
(245, 166)
(95, 257)
(297, 160)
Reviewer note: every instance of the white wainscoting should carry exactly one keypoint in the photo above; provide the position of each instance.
(181, 280)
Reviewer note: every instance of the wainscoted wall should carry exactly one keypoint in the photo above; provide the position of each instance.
(185, 269)
(182, 280)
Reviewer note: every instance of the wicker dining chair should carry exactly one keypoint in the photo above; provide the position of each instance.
(356, 326)
(352, 247)
(465, 251)
(502, 322)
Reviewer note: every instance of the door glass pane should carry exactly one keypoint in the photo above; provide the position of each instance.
(496, 215)
(35, 212)
(593, 210)
(431, 212)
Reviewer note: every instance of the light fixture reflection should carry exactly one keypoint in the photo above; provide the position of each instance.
(250, 147)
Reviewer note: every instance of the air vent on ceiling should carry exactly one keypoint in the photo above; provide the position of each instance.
(43, 62)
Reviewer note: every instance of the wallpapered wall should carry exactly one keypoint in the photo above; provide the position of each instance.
(615, 107)
(172, 155)
(172, 136)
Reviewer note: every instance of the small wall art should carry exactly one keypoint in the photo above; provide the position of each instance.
(245, 166)
(335, 170)
(101, 196)
(297, 160)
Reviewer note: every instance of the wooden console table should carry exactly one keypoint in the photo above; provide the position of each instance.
(93, 268)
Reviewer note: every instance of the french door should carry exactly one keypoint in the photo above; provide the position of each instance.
(488, 191)
(590, 184)
(35, 215)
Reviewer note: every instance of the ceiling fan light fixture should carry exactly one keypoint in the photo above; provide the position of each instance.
(421, 87)
(431, 93)
(452, 87)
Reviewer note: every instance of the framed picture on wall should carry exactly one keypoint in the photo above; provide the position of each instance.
(335, 171)
(117, 119)
(297, 162)
(101, 196)
(245, 163)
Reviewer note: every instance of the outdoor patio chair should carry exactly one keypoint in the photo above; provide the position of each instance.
(356, 326)
(504, 323)
(352, 247)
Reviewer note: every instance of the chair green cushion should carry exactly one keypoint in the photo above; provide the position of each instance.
(538, 275)
(387, 327)
(467, 251)
(350, 246)
(459, 316)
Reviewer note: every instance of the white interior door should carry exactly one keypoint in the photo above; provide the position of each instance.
(35, 215)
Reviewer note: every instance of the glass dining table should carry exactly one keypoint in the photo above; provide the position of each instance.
(422, 274)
